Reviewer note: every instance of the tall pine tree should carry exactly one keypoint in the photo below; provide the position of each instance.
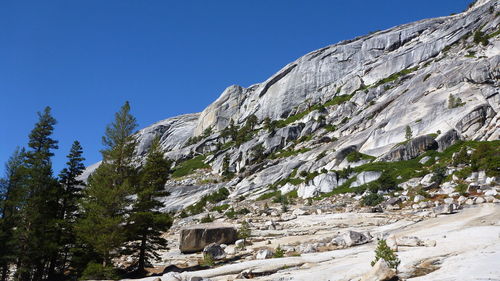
(146, 221)
(107, 194)
(11, 197)
(70, 194)
(36, 233)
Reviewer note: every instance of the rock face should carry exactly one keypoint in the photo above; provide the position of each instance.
(356, 95)
(412, 149)
(196, 238)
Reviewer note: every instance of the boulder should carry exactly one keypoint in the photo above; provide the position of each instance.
(366, 177)
(264, 254)
(351, 238)
(444, 209)
(214, 250)
(418, 198)
(379, 272)
(196, 238)
(300, 212)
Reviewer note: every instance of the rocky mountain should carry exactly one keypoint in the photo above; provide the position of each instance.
(435, 79)
(380, 137)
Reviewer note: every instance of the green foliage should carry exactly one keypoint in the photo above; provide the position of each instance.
(454, 102)
(208, 260)
(146, 224)
(226, 173)
(213, 198)
(487, 157)
(384, 252)
(206, 133)
(258, 152)
(480, 38)
(244, 232)
(356, 156)
(321, 107)
(189, 166)
(427, 76)
(37, 230)
(396, 76)
(107, 195)
(278, 253)
(461, 157)
(461, 188)
(220, 208)
(287, 153)
(95, 271)
(408, 133)
(207, 219)
(372, 199)
(268, 195)
(423, 193)
(439, 173)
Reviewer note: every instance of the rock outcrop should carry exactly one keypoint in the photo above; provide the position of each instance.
(430, 76)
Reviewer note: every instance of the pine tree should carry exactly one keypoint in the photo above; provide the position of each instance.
(11, 194)
(384, 252)
(107, 194)
(408, 133)
(68, 212)
(38, 226)
(146, 221)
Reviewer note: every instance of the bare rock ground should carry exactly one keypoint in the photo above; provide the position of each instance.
(467, 247)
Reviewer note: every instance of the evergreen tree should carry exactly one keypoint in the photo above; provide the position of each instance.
(408, 133)
(11, 193)
(68, 213)
(146, 221)
(107, 194)
(36, 233)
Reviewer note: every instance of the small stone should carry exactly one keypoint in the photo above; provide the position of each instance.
(448, 200)
(461, 199)
(490, 192)
(480, 200)
(418, 198)
(264, 254)
(469, 201)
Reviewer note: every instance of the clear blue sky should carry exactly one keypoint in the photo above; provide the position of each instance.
(84, 58)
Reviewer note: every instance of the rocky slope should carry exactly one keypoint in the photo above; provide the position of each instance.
(388, 135)
(438, 77)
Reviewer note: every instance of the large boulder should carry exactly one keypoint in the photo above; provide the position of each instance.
(195, 238)
(351, 238)
(380, 272)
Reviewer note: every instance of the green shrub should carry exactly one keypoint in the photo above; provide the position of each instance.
(279, 253)
(384, 252)
(439, 174)
(372, 199)
(268, 195)
(220, 208)
(208, 260)
(356, 156)
(95, 271)
(461, 189)
(189, 166)
(244, 232)
(480, 37)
